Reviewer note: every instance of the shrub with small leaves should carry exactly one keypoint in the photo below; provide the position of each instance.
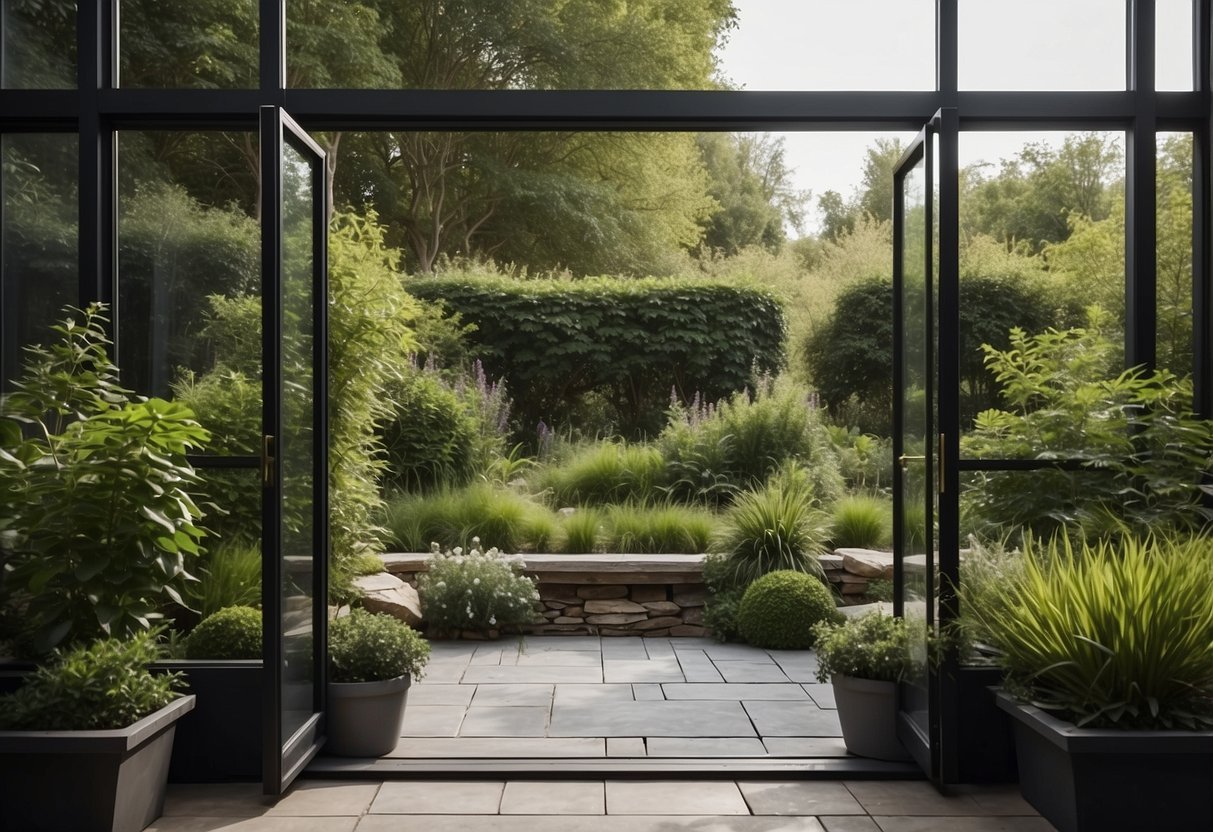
(476, 590)
(231, 633)
(779, 610)
(100, 686)
(374, 647)
(873, 646)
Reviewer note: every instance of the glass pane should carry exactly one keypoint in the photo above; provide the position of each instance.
(1042, 45)
(916, 488)
(1174, 47)
(230, 572)
(39, 44)
(189, 276)
(1042, 246)
(297, 444)
(39, 265)
(589, 44)
(1003, 505)
(171, 45)
(1174, 270)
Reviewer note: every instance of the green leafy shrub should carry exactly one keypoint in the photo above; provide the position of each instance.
(476, 590)
(777, 527)
(374, 647)
(872, 646)
(779, 609)
(861, 521)
(1144, 452)
(100, 686)
(581, 532)
(452, 517)
(606, 472)
(97, 527)
(555, 341)
(431, 439)
(230, 633)
(865, 461)
(880, 590)
(716, 450)
(1106, 635)
(658, 529)
(229, 575)
(723, 598)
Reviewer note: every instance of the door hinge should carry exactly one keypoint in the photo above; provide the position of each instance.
(267, 461)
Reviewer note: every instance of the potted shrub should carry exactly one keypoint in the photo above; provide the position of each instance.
(85, 742)
(865, 658)
(373, 658)
(221, 739)
(1107, 650)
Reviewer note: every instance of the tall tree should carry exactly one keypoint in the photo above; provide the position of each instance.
(876, 184)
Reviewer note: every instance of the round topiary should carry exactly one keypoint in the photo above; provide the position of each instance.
(231, 633)
(779, 610)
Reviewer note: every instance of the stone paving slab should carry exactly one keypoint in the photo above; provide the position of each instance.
(432, 720)
(735, 672)
(255, 824)
(792, 719)
(545, 798)
(697, 667)
(439, 694)
(653, 670)
(823, 695)
(625, 747)
(436, 797)
(512, 695)
(532, 675)
(737, 691)
(554, 658)
(489, 748)
(504, 722)
(647, 692)
(651, 719)
(651, 797)
(567, 695)
(705, 747)
(803, 798)
(805, 746)
(585, 823)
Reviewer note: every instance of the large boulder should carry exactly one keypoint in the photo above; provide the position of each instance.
(388, 594)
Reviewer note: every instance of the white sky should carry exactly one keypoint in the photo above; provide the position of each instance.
(879, 45)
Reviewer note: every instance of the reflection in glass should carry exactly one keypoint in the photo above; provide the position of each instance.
(1042, 45)
(296, 446)
(167, 44)
(1174, 264)
(230, 568)
(189, 276)
(38, 51)
(1173, 45)
(39, 266)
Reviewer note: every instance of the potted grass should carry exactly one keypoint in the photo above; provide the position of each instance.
(85, 742)
(1107, 650)
(373, 659)
(865, 658)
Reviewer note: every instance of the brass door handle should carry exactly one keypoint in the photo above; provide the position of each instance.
(904, 458)
(267, 461)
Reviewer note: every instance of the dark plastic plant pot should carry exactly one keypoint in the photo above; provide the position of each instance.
(1094, 780)
(867, 711)
(365, 718)
(220, 741)
(88, 781)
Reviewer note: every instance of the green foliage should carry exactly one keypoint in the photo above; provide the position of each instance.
(880, 590)
(776, 528)
(862, 521)
(1108, 635)
(95, 687)
(97, 528)
(374, 647)
(557, 341)
(230, 633)
(779, 609)
(723, 599)
(658, 529)
(872, 646)
(1143, 449)
(603, 472)
(229, 575)
(479, 590)
(431, 439)
(714, 451)
(865, 461)
(452, 517)
(581, 532)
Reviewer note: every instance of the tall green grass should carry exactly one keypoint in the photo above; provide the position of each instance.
(606, 472)
(452, 517)
(862, 521)
(580, 533)
(230, 576)
(660, 529)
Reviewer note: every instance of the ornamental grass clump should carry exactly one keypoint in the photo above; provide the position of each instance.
(1106, 635)
(476, 590)
(873, 646)
(374, 647)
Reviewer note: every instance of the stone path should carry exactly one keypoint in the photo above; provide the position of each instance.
(587, 697)
(600, 806)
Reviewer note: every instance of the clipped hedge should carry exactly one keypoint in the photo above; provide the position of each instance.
(630, 341)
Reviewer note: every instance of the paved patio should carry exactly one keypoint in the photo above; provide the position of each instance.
(590, 697)
(600, 806)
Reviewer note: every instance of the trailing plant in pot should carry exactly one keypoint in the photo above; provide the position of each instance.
(864, 658)
(1107, 649)
(372, 660)
(94, 726)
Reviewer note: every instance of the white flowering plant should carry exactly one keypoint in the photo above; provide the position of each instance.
(476, 590)
(872, 646)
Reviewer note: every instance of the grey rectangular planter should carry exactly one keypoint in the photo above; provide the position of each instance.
(1096, 780)
(88, 781)
(220, 741)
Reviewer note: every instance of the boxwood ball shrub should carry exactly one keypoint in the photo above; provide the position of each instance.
(779, 609)
(476, 590)
(231, 633)
(373, 647)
